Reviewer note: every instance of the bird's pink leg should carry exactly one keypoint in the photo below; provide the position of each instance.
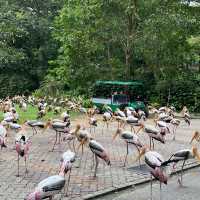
(59, 136)
(103, 126)
(59, 141)
(139, 157)
(160, 191)
(73, 143)
(25, 160)
(90, 128)
(93, 157)
(151, 187)
(55, 141)
(68, 181)
(126, 154)
(150, 142)
(181, 179)
(18, 165)
(97, 162)
(153, 143)
(107, 124)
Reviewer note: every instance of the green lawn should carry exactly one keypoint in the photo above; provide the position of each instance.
(31, 114)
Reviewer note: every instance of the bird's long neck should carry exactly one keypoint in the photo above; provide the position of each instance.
(76, 131)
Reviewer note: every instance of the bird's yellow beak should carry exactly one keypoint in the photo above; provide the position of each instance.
(196, 153)
(82, 142)
(116, 134)
(195, 136)
(46, 126)
(140, 128)
(142, 152)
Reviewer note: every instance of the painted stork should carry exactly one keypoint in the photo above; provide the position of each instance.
(14, 126)
(47, 188)
(128, 111)
(3, 133)
(67, 160)
(132, 121)
(92, 123)
(154, 133)
(22, 144)
(34, 124)
(83, 136)
(196, 136)
(107, 116)
(175, 123)
(187, 118)
(129, 138)
(183, 155)
(59, 128)
(154, 162)
(99, 152)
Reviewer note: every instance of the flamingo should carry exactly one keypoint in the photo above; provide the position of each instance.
(183, 155)
(154, 162)
(129, 138)
(22, 144)
(99, 152)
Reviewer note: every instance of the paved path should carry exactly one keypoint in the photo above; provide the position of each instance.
(190, 190)
(43, 163)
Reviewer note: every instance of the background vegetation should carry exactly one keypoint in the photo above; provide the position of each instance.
(63, 46)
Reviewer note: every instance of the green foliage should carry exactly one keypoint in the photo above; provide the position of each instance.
(65, 46)
(31, 114)
(26, 44)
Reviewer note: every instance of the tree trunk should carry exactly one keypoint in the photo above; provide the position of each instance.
(131, 34)
(110, 65)
(128, 61)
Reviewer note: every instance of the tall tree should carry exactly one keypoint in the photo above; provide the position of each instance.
(26, 44)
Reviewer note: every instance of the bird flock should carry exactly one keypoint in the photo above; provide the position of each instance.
(130, 122)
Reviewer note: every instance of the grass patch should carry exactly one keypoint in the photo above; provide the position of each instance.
(32, 111)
